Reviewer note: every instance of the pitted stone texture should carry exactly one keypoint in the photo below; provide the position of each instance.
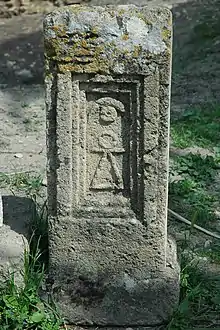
(12, 247)
(108, 93)
(127, 176)
(119, 40)
(105, 274)
(1, 211)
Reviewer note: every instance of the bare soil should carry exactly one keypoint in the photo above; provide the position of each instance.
(195, 79)
(195, 82)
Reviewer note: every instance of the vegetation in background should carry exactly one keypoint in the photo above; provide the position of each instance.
(199, 306)
(197, 127)
(21, 307)
(190, 188)
(194, 193)
(192, 175)
(27, 182)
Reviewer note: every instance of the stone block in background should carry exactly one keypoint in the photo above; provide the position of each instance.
(12, 251)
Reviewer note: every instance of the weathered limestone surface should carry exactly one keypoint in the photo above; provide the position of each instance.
(1, 211)
(107, 96)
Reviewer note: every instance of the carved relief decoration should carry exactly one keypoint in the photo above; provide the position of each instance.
(105, 144)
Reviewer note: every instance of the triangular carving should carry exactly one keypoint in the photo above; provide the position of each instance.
(106, 176)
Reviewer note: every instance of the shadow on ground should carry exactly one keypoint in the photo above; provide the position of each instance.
(21, 51)
(18, 213)
(196, 65)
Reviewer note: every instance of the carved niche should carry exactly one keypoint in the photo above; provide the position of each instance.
(107, 144)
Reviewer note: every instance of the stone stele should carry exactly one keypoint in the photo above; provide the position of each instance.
(107, 96)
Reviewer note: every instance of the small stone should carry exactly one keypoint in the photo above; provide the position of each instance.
(12, 254)
(217, 214)
(11, 64)
(207, 243)
(18, 155)
(25, 73)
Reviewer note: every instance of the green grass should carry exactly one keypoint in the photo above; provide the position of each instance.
(30, 184)
(191, 194)
(212, 253)
(197, 127)
(21, 306)
(192, 175)
(199, 306)
(27, 182)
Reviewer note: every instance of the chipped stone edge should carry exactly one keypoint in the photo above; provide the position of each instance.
(1, 211)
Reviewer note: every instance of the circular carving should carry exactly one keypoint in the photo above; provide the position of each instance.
(108, 113)
(109, 101)
(108, 140)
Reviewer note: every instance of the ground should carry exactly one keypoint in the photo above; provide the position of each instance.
(195, 113)
(195, 78)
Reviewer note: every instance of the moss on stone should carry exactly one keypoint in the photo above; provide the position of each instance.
(59, 30)
(84, 43)
(93, 67)
(67, 59)
(94, 30)
(121, 12)
(140, 15)
(137, 51)
(79, 52)
(125, 36)
(166, 34)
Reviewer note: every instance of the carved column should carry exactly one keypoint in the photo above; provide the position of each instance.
(108, 95)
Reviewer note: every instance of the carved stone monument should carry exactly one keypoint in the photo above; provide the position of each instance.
(107, 96)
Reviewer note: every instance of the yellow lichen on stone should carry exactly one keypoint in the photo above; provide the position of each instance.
(69, 67)
(94, 29)
(84, 43)
(166, 34)
(125, 52)
(137, 51)
(59, 30)
(142, 17)
(125, 37)
(67, 59)
(53, 47)
(121, 12)
(93, 67)
(82, 52)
